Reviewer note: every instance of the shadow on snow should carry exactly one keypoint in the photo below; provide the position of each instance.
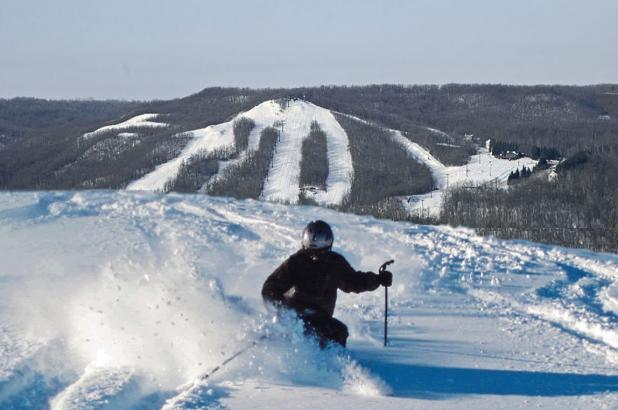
(435, 382)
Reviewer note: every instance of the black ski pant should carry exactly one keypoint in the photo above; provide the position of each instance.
(326, 329)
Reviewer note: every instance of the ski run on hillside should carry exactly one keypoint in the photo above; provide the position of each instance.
(139, 121)
(293, 120)
(122, 300)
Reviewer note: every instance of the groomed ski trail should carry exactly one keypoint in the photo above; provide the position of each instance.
(139, 121)
(282, 183)
(293, 119)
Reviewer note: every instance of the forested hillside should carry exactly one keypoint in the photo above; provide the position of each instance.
(579, 208)
(102, 144)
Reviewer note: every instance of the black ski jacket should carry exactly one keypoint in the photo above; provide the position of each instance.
(305, 284)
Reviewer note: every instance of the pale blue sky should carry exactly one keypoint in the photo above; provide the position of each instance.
(140, 49)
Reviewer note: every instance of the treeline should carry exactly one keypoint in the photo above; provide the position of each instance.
(499, 148)
(38, 137)
(246, 178)
(517, 175)
(196, 171)
(382, 169)
(24, 117)
(565, 118)
(242, 128)
(41, 146)
(314, 162)
(91, 170)
(578, 209)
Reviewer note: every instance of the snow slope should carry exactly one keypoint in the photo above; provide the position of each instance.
(438, 169)
(480, 169)
(282, 184)
(139, 121)
(120, 299)
(293, 119)
(205, 140)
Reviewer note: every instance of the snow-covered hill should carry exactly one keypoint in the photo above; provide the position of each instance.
(120, 299)
(137, 122)
(481, 168)
(293, 119)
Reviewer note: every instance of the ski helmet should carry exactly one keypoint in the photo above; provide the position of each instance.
(317, 235)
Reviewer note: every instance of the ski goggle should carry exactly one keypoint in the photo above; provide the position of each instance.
(316, 240)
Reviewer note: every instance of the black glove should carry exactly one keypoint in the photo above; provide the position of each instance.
(385, 278)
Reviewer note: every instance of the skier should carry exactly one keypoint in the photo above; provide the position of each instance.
(307, 283)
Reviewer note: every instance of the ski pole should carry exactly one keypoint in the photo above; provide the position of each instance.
(382, 269)
(385, 316)
(205, 376)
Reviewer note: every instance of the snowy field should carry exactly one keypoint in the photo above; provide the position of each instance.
(120, 300)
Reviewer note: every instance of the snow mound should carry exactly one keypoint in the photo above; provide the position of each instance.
(610, 299)
(98, 388)
(139, 121)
